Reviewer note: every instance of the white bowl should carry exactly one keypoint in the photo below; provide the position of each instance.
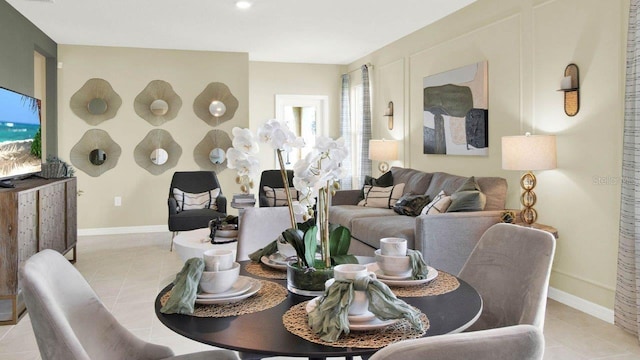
(214, 282)
(393, 265)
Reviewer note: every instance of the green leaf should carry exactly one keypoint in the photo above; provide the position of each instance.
(295, 238)
(310, 244)
(339, 241)
(307, 225)
(344, 259)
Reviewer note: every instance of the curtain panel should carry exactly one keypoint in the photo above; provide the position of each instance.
(365, 163)
(345, 130)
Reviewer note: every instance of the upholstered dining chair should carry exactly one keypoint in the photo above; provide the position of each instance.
(260, 226)
(272, 179)
(70, 322)
(519, 342)
(510, 268)
(195, 202)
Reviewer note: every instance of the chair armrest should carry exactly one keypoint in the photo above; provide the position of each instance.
(446, 240)
(173, 206)
(221, 202)
(346, 197)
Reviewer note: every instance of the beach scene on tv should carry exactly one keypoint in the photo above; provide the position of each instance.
(19, 128)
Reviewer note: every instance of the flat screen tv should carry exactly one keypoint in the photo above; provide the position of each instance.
(20, 152)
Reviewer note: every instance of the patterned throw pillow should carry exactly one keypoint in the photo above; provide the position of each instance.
(438, 205)
(468, 197)
(384, 180)
(381, 197)
(189, 201)
(411, 205)
(278, 196)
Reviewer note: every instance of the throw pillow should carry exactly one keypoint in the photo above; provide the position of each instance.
(381, 197)
(439, 205)
(411, 205)
(468, 197)
(189, 201)
(278, 196)
(384, 180)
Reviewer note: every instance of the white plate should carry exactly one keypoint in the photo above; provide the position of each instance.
(431, 275)
(278, 259)
(255, 287)
(270, 263)
(242, 285)
(372, 323)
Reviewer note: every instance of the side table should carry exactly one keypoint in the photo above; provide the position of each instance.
(543, 227)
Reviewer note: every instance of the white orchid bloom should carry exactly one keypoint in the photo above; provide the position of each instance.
(278, 136)
(244, 141)
(233, 156)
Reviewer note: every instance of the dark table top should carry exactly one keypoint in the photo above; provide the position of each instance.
(263, 332)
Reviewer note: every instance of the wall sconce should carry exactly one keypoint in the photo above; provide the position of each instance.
(570, 85)
(382, 150)
(389, 113)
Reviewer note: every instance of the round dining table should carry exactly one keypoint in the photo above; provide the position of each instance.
(264, 333)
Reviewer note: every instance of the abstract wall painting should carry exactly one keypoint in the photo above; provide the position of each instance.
(456, 113)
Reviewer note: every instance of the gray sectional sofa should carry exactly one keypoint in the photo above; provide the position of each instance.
(445, 240)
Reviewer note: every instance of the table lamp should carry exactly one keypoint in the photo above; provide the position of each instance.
(383, 150)
(527, 153)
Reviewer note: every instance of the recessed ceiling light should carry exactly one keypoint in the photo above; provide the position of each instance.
(243, 4)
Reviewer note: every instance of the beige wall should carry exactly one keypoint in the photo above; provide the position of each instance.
(144, 196)
(527, 44)
(269, 79)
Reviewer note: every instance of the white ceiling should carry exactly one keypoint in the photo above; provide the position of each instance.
(305, 31)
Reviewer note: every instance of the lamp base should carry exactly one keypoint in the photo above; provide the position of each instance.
(383, 167)
(529, 215)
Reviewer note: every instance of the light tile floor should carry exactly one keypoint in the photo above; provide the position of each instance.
(127, 272)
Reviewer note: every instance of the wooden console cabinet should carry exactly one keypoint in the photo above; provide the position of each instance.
(37, 214)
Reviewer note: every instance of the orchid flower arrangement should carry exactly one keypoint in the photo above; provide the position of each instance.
(316, 176)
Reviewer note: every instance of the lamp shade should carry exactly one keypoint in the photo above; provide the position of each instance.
(381, 150)
(529, 152)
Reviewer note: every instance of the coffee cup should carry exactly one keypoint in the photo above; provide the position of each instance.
(286, 250)
(393, 246)
(350, 272)
(214, 282)
(218, 259)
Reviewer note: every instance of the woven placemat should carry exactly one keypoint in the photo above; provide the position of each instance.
(258, 269)
(295, 320)
(269, 295)
(443, 284)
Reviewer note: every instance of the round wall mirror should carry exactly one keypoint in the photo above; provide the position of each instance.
(217, 156)
(159, 107)
(97, 157)
(159, 156)
(217, 108)
(97, 106)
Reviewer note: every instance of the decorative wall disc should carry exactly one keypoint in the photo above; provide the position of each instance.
(95, 153)
(209, 153)
(95, 102)
(215, 114)
(157, 152)
(157, 103)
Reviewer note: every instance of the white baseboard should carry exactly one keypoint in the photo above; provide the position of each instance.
(581, 304)
(123, 230)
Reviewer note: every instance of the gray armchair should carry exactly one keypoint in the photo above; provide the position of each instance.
(520, 342)
(194, 182)
(71, 323)
(273, 179)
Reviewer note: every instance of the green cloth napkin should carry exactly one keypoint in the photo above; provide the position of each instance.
(185, 288)
(271, 248)
(418, 266)
(329, 319)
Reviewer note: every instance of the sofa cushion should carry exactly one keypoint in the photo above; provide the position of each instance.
(381, 197)
(411, 205)
(345, 214)
(494, 188)
(370, 230)
(468, 197)
(439, 205)
(384, 180)
(415, 181)
(189, 201)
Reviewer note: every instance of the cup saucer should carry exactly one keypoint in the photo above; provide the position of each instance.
(364, 324)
